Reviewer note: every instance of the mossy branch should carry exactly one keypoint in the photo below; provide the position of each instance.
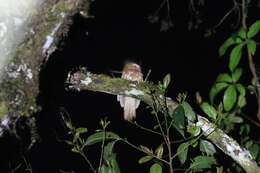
(83, 80)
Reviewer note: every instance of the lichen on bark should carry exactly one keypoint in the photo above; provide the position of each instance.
(20, 78)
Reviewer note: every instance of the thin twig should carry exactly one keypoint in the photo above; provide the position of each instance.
(102, 150)
(251, 62)
(89, 163)
(251, 120)
(161, 129)
(226, 15)
(165, 136)
(148, 74)
(139, 149)
(16, 168)
(144, 128)
(160, 7)
(168, 144)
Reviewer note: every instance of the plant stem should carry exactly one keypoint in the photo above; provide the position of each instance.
(89, 163)
(145, 129)
(170, 153)
(251, 62)
(166, 136)
(139, 149)
(160, 125)
(102, 151)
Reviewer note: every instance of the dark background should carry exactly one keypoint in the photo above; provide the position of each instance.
(120, 32)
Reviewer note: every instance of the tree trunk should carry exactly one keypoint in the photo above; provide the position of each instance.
(20, 75)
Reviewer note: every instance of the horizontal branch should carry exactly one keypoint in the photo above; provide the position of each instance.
(83, 80)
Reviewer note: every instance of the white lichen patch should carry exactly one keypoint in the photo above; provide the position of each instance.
(134, 92)
(132, 85)
(234, 150)
(205, 126)
(62, 14)
(47, 44)
(86, 81)
(227, 144)
(5, 121)
(4, 124)
(49, 40)
(14, 71)
(29, 74)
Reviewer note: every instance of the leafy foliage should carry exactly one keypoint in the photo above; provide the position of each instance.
(202, 162)
(183, 152)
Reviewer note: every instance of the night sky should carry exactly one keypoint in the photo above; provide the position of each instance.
(121, 32)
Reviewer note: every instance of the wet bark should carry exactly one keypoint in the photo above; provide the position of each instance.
(19, 85)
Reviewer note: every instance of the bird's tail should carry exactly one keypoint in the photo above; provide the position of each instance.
(130, 105)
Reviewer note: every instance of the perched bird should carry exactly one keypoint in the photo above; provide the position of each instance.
(132, 72)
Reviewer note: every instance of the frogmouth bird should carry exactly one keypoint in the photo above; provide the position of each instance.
(132, 72)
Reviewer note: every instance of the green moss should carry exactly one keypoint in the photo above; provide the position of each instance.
(62, 7)
(3, 109)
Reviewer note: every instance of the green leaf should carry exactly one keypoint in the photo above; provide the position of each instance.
(114, 165)
(178, 119)
(108, 150)
(104, 169)
(230, 41)
(242, 33)
(251, 45)
(194, 144)
(224, 77)
(99, 137)
(235, 119)
(3, 109)
(74, 150)
(230, 97)
(235, 56)
(145, 159)
(146, 149)
(182, 152)
(159, 151)
(156, 168)
(241, 89)
(252, 88)
(69, 142)
(193, 130)
(241, 101)
(189, 113)
(209, 110)
(254, 150)
(237, 74)
(207, 147)
(110, 161)
(244, 129)
(76, 137)
(166, 80)
(81, 130)
(249, 143)
(202, 162)
(253, 29)
(220, 169)
(216, 88)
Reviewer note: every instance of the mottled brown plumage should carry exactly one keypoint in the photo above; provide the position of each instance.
(132, 72)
